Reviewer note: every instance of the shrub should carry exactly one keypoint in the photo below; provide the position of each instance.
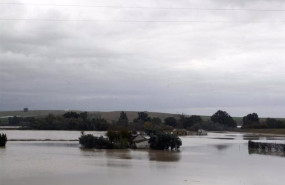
(119, 139)
(164, 141)
(90, 141)
(3, 139)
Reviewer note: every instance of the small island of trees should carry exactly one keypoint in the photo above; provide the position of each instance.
(123, 139)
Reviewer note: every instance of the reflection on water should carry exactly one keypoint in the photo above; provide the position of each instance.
(225, 138)
(152, 155)
(266, 152)
(222, 146)
(47, 144)
(167, 156)
(261, 137)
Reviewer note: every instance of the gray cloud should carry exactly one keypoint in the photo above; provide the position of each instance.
(194, 68)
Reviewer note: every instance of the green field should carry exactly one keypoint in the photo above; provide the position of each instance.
(3, 121)
(264, 131)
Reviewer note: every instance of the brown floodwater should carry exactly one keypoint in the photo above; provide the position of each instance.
(216, 159)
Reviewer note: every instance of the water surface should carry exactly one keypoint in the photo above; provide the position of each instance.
(216, 159)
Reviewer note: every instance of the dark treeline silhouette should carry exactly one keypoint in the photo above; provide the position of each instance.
(20, 120)
(219, 121)
(252, 121)
(69, 121)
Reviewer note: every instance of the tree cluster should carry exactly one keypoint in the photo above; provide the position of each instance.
(223, 118)
(3, 139)
(164, 141)
(115, 140)
(250, 119)
(69, 121)
(269, 123)
(90, 141)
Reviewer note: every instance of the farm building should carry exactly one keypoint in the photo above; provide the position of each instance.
(141, 141)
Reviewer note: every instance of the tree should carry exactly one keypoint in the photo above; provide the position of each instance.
(14, 120)
(171, 121)
(250, 119)
(223, 118)
(273, 123)
(156, 121)
(148, 125)
(100, 124)
(83, 115)
(90, 141)
(142, 117)
(164, 141)
(188, 122)
(119, 139)
(123, 119)
(3, 139)
(71, 114)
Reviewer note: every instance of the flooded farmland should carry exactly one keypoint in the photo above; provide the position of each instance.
(55, 158)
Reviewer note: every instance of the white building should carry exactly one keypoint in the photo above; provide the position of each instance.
(141, 141)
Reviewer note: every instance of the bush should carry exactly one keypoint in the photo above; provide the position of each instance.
(116, 139)
(3, 139)
(273, 123)
(90, 141)
(163, 141)
(119, 139)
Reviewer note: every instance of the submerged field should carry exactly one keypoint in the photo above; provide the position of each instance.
(216, 159)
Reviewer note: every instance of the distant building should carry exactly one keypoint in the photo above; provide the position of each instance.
(202, 132)
(26, 109)
(140, 141)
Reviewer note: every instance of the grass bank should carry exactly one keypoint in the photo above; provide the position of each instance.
(264, 131)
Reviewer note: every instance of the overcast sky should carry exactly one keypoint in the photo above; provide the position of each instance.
(229, 59)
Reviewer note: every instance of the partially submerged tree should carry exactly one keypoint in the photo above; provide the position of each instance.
(90, 141)
(3, 139)
(164, 141)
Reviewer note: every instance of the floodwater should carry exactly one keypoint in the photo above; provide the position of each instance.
(216, 159)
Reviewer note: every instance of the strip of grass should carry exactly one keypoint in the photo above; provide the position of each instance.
(265, 131)
(3, 121)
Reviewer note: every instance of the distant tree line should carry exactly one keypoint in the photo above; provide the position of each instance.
(252, 121)
(72, 120)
